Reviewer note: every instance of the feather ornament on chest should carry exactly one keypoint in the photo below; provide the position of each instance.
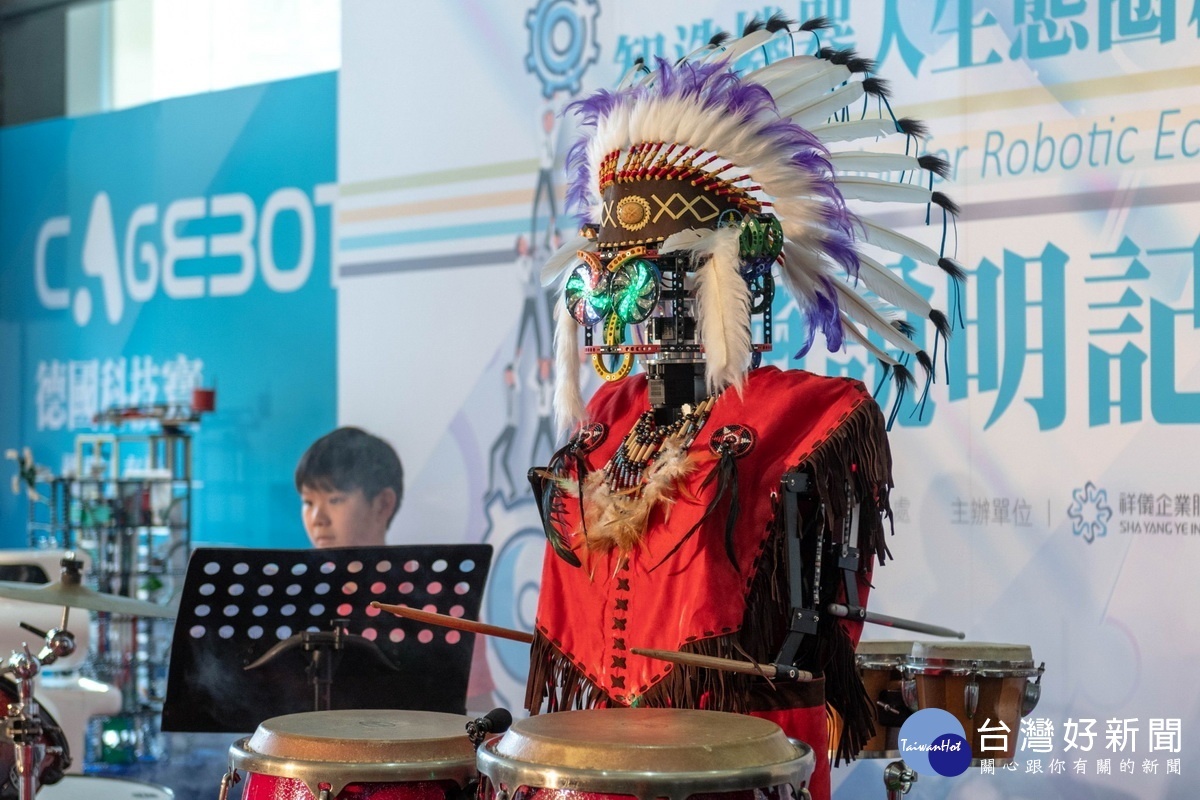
(641, 480)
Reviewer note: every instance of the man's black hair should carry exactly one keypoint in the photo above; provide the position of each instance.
(349, 459)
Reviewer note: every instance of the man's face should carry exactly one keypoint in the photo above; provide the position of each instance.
(344, 518)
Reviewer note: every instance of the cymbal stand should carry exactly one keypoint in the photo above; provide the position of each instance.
(23, 725)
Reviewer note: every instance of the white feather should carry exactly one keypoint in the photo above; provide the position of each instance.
(739, 47)
(851, 330)
(569, 409)
(800, 271)
(685, 240)
(786, 72)
(699, 54)
(722, 309)
(792, 92)
(873, 128)
(875, 190)
(890, 287)
(810, 111)
(854, 304)
(862, 161)
(632, 75)
(897, 243)
(564, 257)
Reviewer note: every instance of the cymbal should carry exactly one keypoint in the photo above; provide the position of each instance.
(61, 593)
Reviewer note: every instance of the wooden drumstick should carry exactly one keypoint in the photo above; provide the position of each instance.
(445, 621)
(726, 664)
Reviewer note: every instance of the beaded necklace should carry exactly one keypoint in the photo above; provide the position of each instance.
(646, 441)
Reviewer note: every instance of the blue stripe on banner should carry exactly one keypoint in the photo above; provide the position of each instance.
(449, 261)
(445, 233)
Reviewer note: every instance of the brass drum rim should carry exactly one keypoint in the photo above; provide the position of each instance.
(879, 661)
(510, 774)
(339, 774)
(966, 666)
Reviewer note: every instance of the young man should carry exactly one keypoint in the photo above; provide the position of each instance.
(350, 484)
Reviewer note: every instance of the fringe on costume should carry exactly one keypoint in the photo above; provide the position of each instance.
(853, 457)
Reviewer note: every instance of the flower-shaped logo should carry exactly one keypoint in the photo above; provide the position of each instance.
(1089, 512)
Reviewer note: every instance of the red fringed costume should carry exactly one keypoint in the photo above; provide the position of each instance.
(694, 599)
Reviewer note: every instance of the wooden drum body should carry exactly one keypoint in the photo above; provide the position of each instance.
(881, 666)
(983, 685)
(645, 753)
(356, 755)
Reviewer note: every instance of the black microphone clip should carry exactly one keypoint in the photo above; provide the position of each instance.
(495, 721)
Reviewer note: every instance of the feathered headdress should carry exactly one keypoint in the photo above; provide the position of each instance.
(728, 178)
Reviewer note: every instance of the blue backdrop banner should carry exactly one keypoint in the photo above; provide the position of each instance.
(186, 243)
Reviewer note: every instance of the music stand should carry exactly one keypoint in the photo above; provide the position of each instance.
(239, 603)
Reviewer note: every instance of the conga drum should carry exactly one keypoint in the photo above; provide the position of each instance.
(881, 666)
(354, 755)
(985, 686)
(645, 753)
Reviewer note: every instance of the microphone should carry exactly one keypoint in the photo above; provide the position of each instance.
(497, 720)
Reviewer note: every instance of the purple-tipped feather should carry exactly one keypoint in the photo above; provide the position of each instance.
(826, 315)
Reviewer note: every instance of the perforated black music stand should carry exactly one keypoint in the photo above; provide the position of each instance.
(238, 603)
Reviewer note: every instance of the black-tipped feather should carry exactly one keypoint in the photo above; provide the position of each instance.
(952, 268)
(904, 382)
(935, 164)
(925, 361)
(549, 500)
(940, 323)
(779, 22)
(913, 127)
(753, 25)
(816, 24)
(945, 202)
(727, 483)
(549, 504)
(719, 38)
(905, 327)
(861, 65)
(842, 56)
(876, 86)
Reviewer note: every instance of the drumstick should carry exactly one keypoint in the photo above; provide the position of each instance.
(467, 625)
(844, 612)
(726, 664)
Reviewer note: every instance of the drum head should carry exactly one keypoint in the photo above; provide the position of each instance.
(883, 652)
(973, 651)
(647, 739)
(646, 752)
(373, 735)
(92, 787)
(359, 746)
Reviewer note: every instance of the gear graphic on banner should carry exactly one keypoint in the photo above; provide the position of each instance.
(562, 43)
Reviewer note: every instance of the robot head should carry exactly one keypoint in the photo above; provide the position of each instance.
(698, 186)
